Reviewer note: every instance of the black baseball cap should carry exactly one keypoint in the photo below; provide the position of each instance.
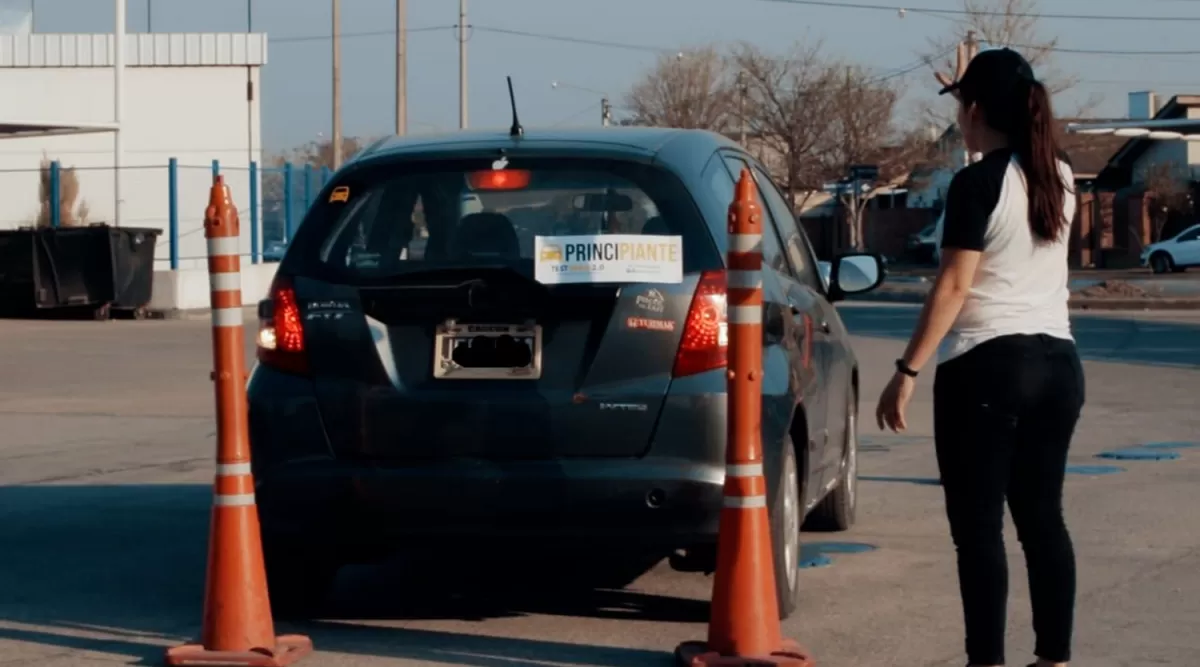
(995, 70)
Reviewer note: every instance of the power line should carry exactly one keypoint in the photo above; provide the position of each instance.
(916, 65)
(1108, 52)
(646, 48)
(896, 9)
(577, 40)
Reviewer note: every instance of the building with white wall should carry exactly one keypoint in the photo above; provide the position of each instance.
(192, 97)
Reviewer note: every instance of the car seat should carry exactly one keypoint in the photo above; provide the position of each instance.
(485, 235)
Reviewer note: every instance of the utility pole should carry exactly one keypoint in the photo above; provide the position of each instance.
(741, 86)
(401, 67)
(972, 49)
(337, 84)
(249, 88)
(149, 22)
(462, 64)
(605, 112)
(118, 111)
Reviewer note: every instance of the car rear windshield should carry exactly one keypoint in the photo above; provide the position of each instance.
(389, 219)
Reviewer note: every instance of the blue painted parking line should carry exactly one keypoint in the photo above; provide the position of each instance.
(1094, 470)
(816, 554)
(1139, 454)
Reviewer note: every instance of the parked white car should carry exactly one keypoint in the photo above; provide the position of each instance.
(1174, 254)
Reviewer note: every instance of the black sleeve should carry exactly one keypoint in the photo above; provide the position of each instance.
(973, 195)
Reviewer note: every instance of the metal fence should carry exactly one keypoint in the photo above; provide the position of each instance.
(172, 197)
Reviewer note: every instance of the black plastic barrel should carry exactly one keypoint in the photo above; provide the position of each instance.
(98, 268)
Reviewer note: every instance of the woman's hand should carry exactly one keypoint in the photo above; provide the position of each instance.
(894, 401)
(962, 59)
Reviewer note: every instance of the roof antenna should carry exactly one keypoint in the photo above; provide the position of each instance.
(516, 130)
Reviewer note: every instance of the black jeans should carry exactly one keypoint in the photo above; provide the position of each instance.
(1004, 415)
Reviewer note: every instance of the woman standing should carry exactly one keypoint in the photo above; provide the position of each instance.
(1009, 387)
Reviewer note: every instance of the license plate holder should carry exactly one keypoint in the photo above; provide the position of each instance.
(453, 335)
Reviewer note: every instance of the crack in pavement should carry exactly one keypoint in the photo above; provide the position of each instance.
(97, 472)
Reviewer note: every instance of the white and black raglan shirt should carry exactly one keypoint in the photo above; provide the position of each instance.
(1021, 284)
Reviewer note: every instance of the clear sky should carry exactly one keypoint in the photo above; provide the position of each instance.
(296, 81)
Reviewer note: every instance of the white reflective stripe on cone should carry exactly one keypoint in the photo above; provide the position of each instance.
(745, 502)
(744, 469)
(225, 282)
(744, 314)
(745, 243)
(233, 469)
(233, 499)
(227, 317)
(224, 245)
(744, 279)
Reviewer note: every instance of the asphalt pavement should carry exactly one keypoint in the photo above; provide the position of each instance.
(107, 447)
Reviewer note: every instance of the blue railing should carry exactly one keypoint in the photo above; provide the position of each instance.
(278, 198)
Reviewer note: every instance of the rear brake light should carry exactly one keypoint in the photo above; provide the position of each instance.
(281, 330)
(499, 179)
(705, 341)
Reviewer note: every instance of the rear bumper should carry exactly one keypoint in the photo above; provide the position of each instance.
(668, 499)
(656, 503)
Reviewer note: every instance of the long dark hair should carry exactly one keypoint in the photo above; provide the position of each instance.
(1027, 119)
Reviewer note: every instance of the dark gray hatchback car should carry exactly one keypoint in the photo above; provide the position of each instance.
(417, 386)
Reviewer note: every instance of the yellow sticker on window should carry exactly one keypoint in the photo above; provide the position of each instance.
(340, 193)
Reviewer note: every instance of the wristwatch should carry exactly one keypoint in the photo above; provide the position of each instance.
(905, 369)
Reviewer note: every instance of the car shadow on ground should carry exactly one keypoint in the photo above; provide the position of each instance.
(474, 650)
(120, 569)
(1112, 339)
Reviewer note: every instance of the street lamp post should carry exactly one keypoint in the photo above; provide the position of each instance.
(605, 103)
(337, 84)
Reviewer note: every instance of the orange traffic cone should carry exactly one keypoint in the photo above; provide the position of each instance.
(744, 626)
(238, 629)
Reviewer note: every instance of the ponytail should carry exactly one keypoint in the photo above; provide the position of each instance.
(1037, 150)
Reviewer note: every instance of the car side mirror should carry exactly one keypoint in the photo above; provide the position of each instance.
(855, 273)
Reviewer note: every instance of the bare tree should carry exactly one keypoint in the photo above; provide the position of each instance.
(789, 111)
(691, 89)
(863, 132)
(320, 153)
(1167, 185)
(817, 118)
(1014, 24)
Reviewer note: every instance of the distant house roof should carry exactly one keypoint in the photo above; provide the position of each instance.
(1119, 163)
(1089, 153)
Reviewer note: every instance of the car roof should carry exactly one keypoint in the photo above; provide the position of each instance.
(671, 145)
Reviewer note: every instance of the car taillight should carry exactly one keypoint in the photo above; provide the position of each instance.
(705, 342)
(281, 330)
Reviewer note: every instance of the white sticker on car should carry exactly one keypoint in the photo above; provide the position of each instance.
(608, 258)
